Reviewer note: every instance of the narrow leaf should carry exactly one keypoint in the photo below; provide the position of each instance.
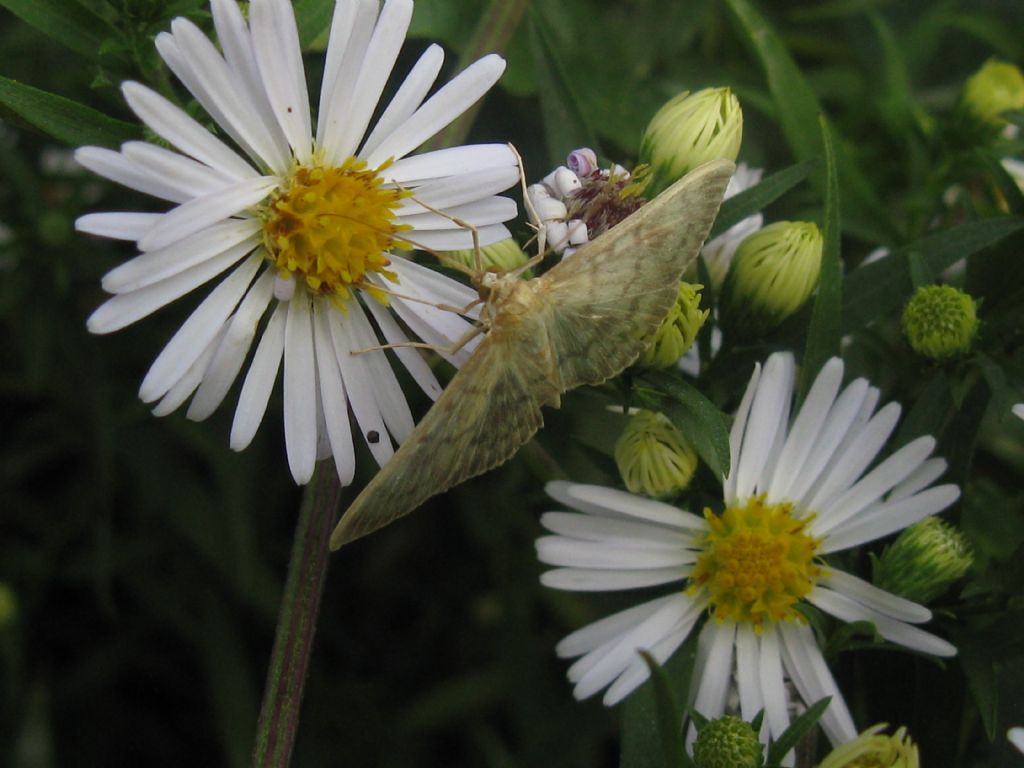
(703, 425)
(63, 119)
(313, 18)
(69, 23)
(802, 725)
(874, 290)
(670, 717)
(824, 332)
(757, 198)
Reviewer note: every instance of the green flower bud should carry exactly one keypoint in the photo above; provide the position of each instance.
(502, 256)
(873, 749)
(940, 321)
(653, 456)
(689, 130)
(728, 742)
(992, 90)
(774, 272)
(924, 561)
(677, 331)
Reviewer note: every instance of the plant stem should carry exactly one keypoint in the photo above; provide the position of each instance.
(278, 722)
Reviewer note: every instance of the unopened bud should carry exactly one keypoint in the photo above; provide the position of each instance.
(940, 322)
(653, 457)
(677, 331)
(924, 561)
(728, 742)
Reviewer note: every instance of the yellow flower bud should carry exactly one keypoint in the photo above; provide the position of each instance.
(774, 272)
(924, 561)
(653, 456)
(992, 90)
(873, 749)
(689, 130)
(677, 331)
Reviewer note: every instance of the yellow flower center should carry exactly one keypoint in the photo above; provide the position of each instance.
(331, 227)
(757, 563)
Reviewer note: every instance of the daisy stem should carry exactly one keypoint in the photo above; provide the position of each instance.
(296, 623)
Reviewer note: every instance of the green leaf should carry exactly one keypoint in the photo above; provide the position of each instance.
(703, 425)
(641, 746)
(565, 128)
(895, 104)
(63, 119)
(874, 290)
(824, 332)
(802, 725)
(65, 21)
(670, 716)
(928, 414)
(313, 18)
(757, 198)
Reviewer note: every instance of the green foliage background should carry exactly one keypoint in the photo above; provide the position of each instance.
(146, 560)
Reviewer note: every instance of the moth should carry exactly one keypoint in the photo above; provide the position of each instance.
(581, 322)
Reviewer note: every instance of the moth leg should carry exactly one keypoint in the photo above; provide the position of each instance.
(477, 262)
(531, 211)
(444, 307)
(450, 349)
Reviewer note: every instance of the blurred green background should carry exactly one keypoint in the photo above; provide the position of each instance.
(141, 561)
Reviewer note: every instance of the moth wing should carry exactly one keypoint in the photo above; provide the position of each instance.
(604, 299)
(490, 408)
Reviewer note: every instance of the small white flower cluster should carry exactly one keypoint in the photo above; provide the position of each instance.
(549, 201)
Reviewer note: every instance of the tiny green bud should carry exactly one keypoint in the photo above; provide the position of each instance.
(924, 561)
(502, 256)
(728, 742)
(677, 331)
(691, 129)
(940, 321)
(995, 88)
(774, 272)
(873, 749)
(653, 457)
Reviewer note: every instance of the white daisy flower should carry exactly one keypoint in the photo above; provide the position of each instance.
(1018, 410)
(797, 491)
(304, 221)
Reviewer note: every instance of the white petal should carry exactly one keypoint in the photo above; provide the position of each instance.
(774, 392)
(119, 169)
(300, 432)
(126, 308)
(739, 426)
(359, 386)
(1016, 735)
(334, 396)
(922, 477)
(873, 485)
(190, 177)
(713, 685)
(773, 686)
(890, 517)
(182, 131)
(379, 60)
(441, 109)
(275, 41)
(240, 119)
(187, 384)
(875, 598)
(233, 349)
(458, 190)
(202, 212)
(408, 98)
(609, 628)
(119, 226)
(153, 266)
(859, 453)
(259, 381)
(600, 580)
(196, 332)
(456, 239)
(434, 326)
(480, 213)
(586, 497)
(386, 389)
(430, 285)
(559, 550)
(410, 357)
(748, 679)
(898, 632)
(622, 533)
(808, 671)
(351, 29)
(805, 429)
(451, 162)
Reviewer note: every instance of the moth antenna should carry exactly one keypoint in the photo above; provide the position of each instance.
(474, 233)
(443, 307)
(528, 204)
(450, 349)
